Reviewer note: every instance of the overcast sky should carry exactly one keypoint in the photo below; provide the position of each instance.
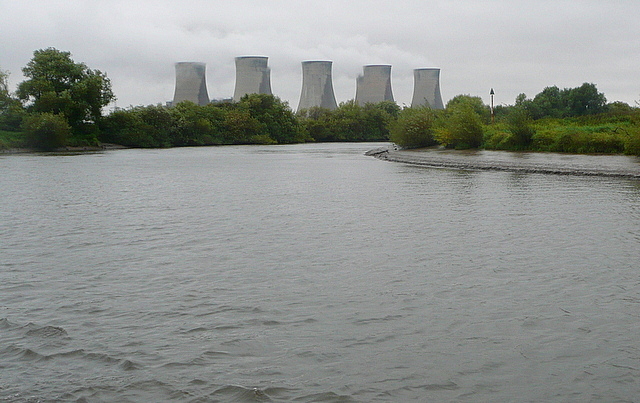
(512, 46)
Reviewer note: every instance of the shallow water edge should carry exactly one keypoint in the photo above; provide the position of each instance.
(524, 162)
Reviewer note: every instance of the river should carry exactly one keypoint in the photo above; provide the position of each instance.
(313, 273)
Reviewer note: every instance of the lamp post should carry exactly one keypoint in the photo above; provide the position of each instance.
(492, 114)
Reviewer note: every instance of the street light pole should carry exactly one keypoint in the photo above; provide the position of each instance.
(492, 113)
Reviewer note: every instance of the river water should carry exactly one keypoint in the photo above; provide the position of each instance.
(313, 273)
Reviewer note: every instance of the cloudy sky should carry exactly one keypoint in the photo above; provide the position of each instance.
(513, 46)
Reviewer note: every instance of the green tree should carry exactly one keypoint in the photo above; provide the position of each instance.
(551, 102)
(46, 130)
(585, 100)
(519, 123)
(316, 123)
(11, 110)
(277, 120)
(414, 127)
(58, 85)
(462, 125)
(474, 103)
(196, 125)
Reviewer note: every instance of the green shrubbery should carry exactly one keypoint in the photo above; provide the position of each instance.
(256, 119)
(60, 105)
(46, 131)
(414, 127)
(349, 122)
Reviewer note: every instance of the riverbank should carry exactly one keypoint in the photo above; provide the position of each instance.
(102, 147)
(525, 162)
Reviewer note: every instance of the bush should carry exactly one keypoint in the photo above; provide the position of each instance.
(463, 128)
(46, 131)
(632, 142)
(414, 128)
(519, 123)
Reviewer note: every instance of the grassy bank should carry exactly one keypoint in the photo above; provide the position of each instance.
(602, 134)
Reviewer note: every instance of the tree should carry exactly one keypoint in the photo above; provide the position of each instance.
(56, 84)
(474, 103)
(414, 128)
(519, 123)
(276, 118)
(46, 131)
(4, 86)
(585, 100)
(462, 126)
(550, 102)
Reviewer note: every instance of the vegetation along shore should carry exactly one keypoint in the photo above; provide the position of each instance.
(60, 105)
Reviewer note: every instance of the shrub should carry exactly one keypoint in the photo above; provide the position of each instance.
(632, 143)
(46, 131)
(463, 128)
(519, 123)
(414, 128)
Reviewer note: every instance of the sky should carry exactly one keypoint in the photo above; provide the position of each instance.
(512, 46)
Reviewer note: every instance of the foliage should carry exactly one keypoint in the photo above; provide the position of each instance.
(11, 139)
(349, 122)
(569, 102)
(275, 118)
(414, 128)
(519, 123)
(256, 119)
(462, 127)
(11, 110)
(58, 85)
(46, 131)
(474, 103)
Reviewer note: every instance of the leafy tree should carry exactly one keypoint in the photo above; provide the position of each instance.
(197, 125)
(550, 102)
(276, 119)
(619, 108)
(462, 125)
(46, 130)
(4, 87)
(239, 127)
(585, 100)
(474, 103)
(11, 110)
(414, 128)
(316, 123)
(519, 123)
(390, 107)
(58, 85)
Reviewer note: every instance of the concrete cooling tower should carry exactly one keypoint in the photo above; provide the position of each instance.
(317, 85)
(426, 88)
(252, 76)
(374, 85)
(191, 83)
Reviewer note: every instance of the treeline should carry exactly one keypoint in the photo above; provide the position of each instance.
(60, 104)
(575, 120)
(255, 119)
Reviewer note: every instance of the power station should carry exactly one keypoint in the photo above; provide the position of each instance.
(191, 83)
(374, 85)
(426, 88)
(253, 76)
(317, 85)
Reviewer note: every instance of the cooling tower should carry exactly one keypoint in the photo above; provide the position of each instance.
(374, 85)
(426, 88)
(317, 85)
(252, 76)
(191, 83)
